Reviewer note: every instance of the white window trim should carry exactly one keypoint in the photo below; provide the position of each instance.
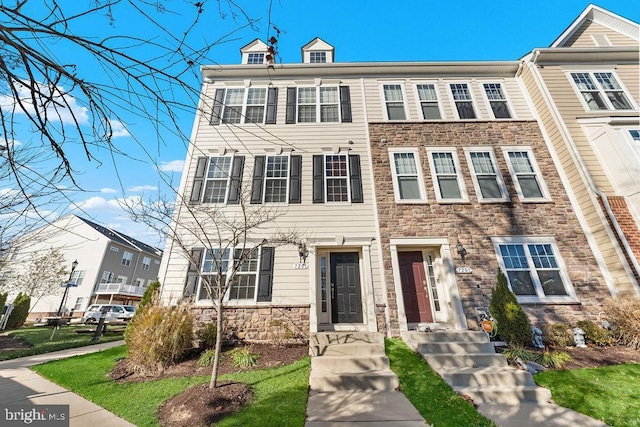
(319, 53)
(206, 179)
(591, 70)
(122, 280)
(438, 95)
(126, 260)
(527, 240)
(396, 185)
(546, 197)
(108, 278)
(407, 113)
(147, 265)
(474, 101)
(245, 97)
(474, 176)
(249, 54)
(436, 185)
(318, 104)
(507, 99)
(324, 178)
(226, 300)
(288, 178)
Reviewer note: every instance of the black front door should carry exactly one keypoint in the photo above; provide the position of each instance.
(346, 296)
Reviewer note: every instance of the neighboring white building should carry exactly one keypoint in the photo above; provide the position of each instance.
(112, 267)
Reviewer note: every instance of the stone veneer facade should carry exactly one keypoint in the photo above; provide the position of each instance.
(284, 324)
(474, 223)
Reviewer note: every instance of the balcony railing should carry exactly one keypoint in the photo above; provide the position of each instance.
(120, 288)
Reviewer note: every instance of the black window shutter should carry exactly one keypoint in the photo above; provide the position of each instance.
(258, 177)
(318, 179)
(356, 179)
(272, 105)
(295, 180)
(191, 283)
(216, 114)
(291, 105)
(345, 104)
(198, 180)
(236, 180)
(265, 282)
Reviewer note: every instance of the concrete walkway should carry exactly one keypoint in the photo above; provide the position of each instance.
(20, 385)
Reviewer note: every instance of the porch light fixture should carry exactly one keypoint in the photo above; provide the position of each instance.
(461, 251)
(302, 252)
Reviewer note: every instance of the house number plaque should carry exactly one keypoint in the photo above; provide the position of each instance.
(301, 266)
(464, 270)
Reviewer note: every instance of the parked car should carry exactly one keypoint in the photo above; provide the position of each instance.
(115, 313)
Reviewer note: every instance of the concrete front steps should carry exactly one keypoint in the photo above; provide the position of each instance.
(351, 383)
(467, 361)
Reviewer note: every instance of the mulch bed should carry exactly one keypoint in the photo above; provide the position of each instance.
(593, 357)
(8, 344)
(201, 406)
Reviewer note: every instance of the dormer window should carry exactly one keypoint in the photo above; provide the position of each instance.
(255, 58)
(317, 57)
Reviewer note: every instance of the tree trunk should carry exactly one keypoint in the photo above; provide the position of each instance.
(218, 350)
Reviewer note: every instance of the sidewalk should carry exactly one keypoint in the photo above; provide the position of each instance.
(18, 385)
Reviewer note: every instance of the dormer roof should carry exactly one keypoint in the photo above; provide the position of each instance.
(253, 50)
(600, 16)
(318, 46)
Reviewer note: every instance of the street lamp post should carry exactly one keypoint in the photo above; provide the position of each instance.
(74, 264)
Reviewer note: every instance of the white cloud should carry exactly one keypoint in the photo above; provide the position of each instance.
(172, 166)
(118, 129)
(61, 106)
(13, 142)
(139, 188)
(102, 204)
(108, 190)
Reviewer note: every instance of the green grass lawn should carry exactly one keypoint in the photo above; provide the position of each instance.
(280, 394)
(610, 394)
(65, 337)
(435, 399)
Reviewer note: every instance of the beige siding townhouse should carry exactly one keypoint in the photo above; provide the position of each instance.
(585, 90)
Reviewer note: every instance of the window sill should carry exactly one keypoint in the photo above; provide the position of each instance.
(535, 200)
(411, 202)
(549, 301)
(486, 201)
(453, 202)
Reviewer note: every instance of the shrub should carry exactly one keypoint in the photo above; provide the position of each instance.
(595, 334)
(553, 359)
(158, 336)
(206, 335)
(243, 358)
(558, 335)
(513, 323)
(526, 355)
(150, 294)
(624, 317)
(206, 358)
(20, 311)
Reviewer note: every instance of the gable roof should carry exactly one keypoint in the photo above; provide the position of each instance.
(122, 238)
(603, 17)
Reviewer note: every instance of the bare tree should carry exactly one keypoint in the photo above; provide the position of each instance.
(70, 76)
(217, 242)
(41, 276)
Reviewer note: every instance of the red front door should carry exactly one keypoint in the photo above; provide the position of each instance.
(414, 287)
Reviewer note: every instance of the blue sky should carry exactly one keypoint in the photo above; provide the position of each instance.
(360, 31)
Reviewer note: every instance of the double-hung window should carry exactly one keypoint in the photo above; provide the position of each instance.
(428, 97)
(246, 278)
(244, 105)
(497, 100)
(126, 258)
(214, 267)
(217, 179)
(394, 101)
(276, 179)
(77, 277)
(526, 175)
(107, 277)
(146, 263)
(487, 178)
(601, 91)
(533, 268)
(407, 176)
(336, 178)
(318, 104)
(463, 100)
(447, 179)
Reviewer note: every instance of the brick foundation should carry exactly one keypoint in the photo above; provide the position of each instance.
(474, 223)
(628, 226)
(282, 324)
(381, 318)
